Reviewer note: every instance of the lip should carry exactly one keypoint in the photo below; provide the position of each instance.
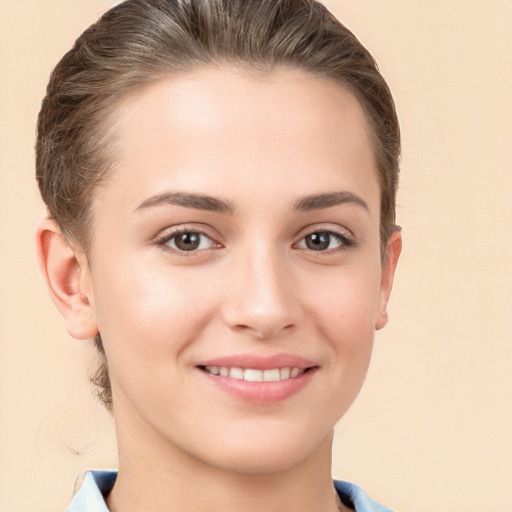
(260, 393)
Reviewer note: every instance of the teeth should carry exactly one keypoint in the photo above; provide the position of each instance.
(285, 373)
(271, 375)
(254, 375)
(236, 373)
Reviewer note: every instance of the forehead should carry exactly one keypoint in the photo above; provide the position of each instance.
(227, 128)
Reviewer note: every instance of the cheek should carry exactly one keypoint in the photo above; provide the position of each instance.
(345, 306)
(345, 302)
(341, 308)
(145, 315)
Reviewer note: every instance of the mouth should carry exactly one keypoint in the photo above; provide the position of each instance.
(259, 380)
(255, 374)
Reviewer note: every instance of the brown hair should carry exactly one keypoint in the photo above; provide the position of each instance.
(141, 41)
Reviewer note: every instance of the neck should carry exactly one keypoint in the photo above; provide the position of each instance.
(166, 479)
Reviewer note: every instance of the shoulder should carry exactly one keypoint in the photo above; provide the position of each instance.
(352, 495)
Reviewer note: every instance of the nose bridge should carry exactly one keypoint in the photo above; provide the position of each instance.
(262, 301)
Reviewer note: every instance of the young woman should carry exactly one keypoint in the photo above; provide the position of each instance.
(220, 177)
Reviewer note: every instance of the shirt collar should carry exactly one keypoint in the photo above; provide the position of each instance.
(97, 485)
(91, 496)
(353, 496)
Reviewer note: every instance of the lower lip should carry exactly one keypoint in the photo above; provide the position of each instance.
(261, 392)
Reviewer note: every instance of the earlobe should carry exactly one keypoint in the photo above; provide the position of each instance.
(393, 250)
(63, 271)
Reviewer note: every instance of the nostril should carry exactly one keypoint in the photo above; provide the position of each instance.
(264, 329)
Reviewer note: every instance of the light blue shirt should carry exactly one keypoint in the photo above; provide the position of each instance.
(97, 485)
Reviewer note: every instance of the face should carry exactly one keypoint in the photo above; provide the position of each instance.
(235, 273)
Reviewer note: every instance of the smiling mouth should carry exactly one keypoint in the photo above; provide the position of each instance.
(254, 374)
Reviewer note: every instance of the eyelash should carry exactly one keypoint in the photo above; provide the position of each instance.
(163, 241)
(346, 241)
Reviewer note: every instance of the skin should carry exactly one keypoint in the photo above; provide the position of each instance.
(259, 144)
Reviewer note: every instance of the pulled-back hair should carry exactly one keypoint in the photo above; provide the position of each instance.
(141, 41)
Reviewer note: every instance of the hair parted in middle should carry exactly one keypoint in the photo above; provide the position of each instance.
(140, 42)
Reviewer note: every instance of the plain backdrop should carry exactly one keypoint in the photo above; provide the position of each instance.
(432, 427)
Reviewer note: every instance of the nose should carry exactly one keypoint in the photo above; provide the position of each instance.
(262, 301)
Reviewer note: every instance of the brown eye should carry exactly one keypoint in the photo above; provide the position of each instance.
(322, 241)
(318, 241)
(189, 241)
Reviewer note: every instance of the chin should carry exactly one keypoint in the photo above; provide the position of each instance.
(261, 462)
(272, 454)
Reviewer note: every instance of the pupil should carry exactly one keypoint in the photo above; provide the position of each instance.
(187, 241)
(318, 241)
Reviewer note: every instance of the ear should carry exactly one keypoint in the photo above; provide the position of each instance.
(393, 250)
(67, 276)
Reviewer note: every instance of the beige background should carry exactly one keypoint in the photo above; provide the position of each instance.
(432, 428)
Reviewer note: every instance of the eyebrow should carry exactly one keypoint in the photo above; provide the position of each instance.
(328, 199)
(188, 200)
(213, 204)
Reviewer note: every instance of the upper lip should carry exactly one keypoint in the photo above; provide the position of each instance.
(259, 362)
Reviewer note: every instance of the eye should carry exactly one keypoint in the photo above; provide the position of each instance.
(324, 241)
(186, 241)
